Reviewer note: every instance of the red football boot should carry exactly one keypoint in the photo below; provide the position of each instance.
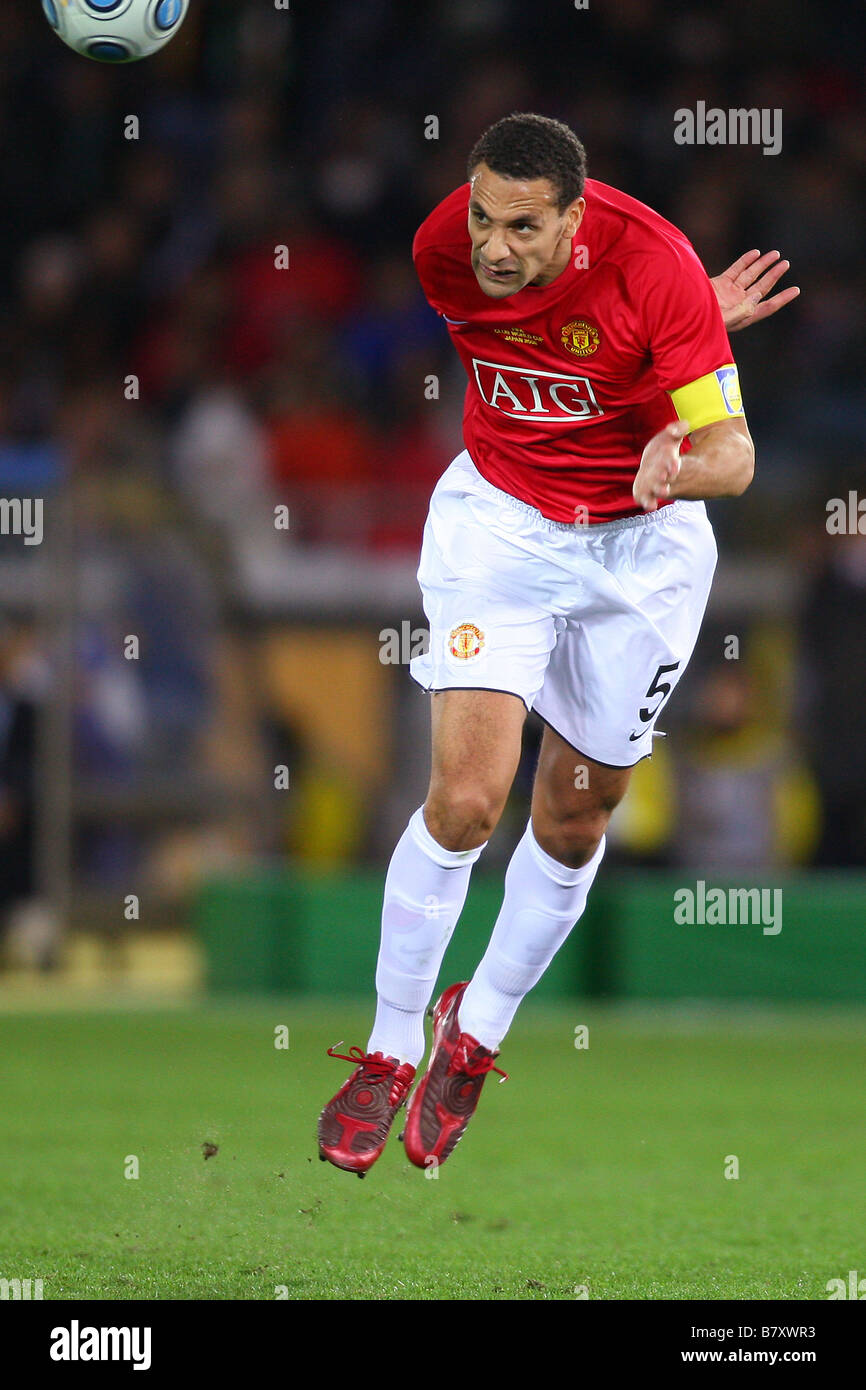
(354, 1126)
(445, 1099)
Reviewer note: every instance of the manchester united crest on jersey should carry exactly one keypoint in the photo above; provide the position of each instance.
(580, 337)
(465, 641)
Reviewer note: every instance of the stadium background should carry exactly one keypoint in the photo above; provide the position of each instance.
(147, 855)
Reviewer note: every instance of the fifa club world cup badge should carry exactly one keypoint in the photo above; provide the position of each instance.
(580, 337)
(465, 641)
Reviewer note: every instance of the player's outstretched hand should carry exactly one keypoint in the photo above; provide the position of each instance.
(742, 289)
(659, 465)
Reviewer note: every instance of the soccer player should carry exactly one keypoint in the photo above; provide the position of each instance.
(566, 564)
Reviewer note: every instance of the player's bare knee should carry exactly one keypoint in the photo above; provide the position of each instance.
(573, 836)
(463, 817)
(570, 846)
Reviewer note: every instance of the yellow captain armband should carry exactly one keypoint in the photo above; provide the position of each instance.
(713, 397)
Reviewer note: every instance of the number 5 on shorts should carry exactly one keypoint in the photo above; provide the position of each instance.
(657, 687)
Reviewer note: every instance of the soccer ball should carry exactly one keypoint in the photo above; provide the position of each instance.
(115, 31)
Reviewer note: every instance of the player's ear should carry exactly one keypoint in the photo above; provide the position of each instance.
(574, 216)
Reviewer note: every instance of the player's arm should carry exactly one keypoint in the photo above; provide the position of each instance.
(685, 332)
(720, 463)
(742, 289)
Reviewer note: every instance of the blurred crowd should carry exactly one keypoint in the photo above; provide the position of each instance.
(210, 310)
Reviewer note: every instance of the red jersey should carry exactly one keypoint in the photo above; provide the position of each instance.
(569, 381)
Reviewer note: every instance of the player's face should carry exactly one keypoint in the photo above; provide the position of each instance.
(518, 236)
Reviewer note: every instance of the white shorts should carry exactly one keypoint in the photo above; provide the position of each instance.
(591, 626)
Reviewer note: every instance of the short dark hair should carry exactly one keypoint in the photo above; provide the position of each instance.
(526, 146)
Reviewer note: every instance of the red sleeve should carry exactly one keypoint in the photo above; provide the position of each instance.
(425, 265)
(440, 253)
(681, 318)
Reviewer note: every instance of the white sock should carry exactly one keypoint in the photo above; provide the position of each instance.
(425, 889)
(543, 901)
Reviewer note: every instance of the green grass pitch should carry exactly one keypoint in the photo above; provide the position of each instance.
(600, 1169)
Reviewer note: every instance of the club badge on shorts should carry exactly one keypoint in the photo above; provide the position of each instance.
(465, 641)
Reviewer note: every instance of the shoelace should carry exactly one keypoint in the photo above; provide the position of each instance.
(378, 1067)
(479, 1066)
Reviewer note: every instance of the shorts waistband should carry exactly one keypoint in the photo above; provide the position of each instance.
(672, 511)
